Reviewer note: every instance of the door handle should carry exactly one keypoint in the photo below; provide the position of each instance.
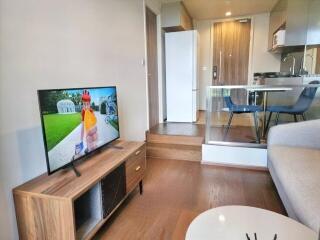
(220, 65)
(137, 152)
(138, 168)
(215, 72)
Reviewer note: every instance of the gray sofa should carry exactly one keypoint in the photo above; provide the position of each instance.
(294, 164)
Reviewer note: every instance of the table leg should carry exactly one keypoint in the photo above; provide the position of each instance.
(264, 120)
(255, 98)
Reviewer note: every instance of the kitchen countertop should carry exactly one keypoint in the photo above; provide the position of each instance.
(263, 75)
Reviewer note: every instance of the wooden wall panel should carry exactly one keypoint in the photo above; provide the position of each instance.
(231, 47)
(185, 19)
(232, 39)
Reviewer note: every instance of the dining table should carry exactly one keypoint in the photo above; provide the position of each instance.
(265, 90)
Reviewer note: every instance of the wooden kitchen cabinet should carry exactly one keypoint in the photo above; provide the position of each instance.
(175, 17)
(277, 18)
(297, 22)
(291, 15)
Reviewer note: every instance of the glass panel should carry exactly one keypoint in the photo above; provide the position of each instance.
(228, 121)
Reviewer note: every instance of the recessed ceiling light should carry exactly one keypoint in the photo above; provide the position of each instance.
(228, 13)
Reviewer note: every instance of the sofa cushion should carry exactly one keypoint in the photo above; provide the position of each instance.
(298, 170)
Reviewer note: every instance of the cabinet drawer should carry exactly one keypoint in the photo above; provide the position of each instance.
(135, 168)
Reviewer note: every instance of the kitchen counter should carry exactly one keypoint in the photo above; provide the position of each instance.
(274, 75)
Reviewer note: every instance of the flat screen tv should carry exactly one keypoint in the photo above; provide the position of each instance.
(76, 122)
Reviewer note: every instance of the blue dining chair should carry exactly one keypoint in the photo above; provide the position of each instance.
(298, 109)
(240, 109)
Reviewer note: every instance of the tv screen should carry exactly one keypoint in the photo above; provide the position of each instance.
(76, 122)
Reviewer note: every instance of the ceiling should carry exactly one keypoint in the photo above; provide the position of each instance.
(215, 9)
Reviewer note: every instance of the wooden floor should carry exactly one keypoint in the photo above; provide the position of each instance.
(241, 134)
(181, 129)
(221, 118)
(175, 192)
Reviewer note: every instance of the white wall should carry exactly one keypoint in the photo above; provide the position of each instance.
(261, 60)
(61, 44)
(154, 5)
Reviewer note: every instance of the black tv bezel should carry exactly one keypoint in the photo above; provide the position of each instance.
(95, 151)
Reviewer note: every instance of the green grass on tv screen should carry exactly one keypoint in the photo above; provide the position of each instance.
(58, 126)
(114, 124)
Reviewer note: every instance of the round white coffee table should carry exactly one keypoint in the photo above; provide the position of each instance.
(233, 222)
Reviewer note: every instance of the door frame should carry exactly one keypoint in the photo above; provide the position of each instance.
(159, 58)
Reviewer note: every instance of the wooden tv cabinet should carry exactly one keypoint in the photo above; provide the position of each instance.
(63, 206)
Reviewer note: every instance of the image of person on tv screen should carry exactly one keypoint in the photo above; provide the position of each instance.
(88, 125)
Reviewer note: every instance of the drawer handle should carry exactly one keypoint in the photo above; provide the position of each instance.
(138, 168)
(137, 152)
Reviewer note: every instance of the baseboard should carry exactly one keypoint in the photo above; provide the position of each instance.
(262, 169)
(234, 156)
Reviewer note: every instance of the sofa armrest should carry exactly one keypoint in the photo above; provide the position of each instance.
(303, 134)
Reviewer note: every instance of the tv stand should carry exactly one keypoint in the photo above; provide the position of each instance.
(68, 207)
(115, 147)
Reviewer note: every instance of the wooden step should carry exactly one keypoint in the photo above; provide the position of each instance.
(176, 147)
(174, 151)
(175, 139)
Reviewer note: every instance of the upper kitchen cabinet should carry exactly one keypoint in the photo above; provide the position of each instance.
(290, 18)
(313, 37)
(297, 22)
(175, 17)
(278, 17)
(312, 51)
